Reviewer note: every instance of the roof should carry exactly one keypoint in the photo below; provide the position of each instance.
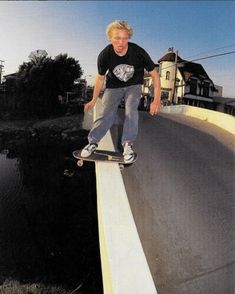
(170, 56)
(188, 69)
(13, 75)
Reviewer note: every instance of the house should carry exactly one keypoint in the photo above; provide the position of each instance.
(184, 81)
(7, 91)
(223, 104)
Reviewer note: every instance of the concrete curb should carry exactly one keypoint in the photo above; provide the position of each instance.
(124, 266)
(222, 120)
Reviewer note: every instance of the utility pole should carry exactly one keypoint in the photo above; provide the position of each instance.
(174, 87)
(1, 70)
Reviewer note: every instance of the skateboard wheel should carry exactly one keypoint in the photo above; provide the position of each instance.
(80, 163)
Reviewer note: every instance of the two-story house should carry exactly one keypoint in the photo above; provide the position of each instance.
(184, 81)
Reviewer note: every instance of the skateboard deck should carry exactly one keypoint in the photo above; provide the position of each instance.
(102, 155)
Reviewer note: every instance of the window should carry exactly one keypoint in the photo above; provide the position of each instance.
(164, 94)
(193, 87)
(167, 75)
(206, 89)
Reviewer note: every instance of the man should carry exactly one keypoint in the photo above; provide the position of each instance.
(122, 63)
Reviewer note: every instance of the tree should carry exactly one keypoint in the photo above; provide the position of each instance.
(40, 83)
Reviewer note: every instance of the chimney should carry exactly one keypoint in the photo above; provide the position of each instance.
(171, 49)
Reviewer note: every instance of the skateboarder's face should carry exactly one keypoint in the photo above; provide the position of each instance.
(119, 40)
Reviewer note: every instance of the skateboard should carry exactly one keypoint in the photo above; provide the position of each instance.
(104, 156)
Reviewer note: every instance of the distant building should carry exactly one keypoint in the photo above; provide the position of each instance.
(219, 92)
(223, 104)
(8, 95)
(184, 81)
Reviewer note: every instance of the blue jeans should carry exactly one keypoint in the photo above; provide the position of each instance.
(111, 100)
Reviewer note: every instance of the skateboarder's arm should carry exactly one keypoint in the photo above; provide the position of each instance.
(99, 82)
(156, 104)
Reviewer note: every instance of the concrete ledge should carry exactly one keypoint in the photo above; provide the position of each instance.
(222, 120)
(124, 266)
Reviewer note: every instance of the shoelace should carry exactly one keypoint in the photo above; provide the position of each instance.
(89, 147)
(128, 150)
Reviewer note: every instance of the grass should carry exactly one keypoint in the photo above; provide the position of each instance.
(14, 287)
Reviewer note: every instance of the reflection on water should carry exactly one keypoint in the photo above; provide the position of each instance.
(48, 222)
(10, 179)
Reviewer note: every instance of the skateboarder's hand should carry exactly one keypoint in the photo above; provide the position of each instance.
(89, 106)
(155, 107)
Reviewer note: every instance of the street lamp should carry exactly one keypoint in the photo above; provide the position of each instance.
(85, 92)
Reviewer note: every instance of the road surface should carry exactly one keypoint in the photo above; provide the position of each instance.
(182, 195)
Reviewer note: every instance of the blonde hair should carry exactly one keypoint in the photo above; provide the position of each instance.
(120, 25)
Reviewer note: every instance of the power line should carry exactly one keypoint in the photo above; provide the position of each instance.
(202, 58)
(212, 56)
(211, 50)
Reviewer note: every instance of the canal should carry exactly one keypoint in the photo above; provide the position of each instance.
(48, 219)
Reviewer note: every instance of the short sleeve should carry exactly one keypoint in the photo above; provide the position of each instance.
(101, 64)
(149, 65)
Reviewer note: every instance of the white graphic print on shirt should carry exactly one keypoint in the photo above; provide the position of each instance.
(124, 72)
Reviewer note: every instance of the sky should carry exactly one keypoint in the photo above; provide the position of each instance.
(196, 29)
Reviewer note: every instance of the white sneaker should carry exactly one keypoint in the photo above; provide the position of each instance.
(128, 153)
(88, 149)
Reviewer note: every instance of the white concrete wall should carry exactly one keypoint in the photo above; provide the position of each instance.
(222, 120)
(220, 91)
(124, 266)
(167, 66)
(181, 89)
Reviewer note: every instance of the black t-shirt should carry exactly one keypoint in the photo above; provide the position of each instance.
(127, 70)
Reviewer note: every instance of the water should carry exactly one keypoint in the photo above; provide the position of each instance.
(48, 219)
